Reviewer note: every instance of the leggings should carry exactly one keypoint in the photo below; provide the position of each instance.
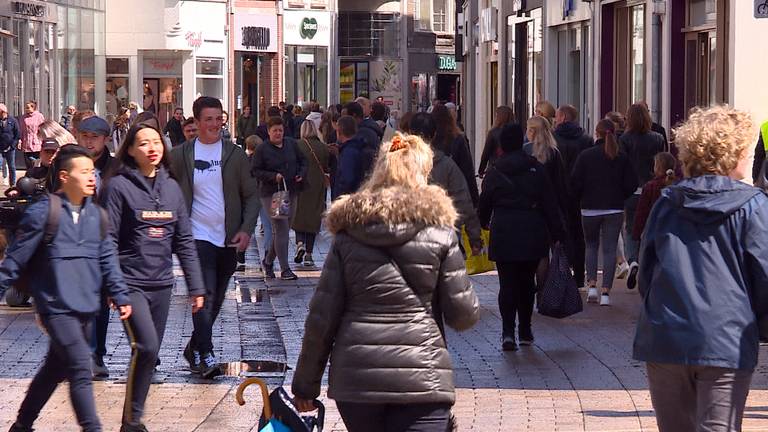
(602, 230)
(308, 239)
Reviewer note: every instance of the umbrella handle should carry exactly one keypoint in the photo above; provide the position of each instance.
(264, 394)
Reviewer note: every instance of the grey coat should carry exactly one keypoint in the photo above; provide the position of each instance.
(393, 252)
(448, 175)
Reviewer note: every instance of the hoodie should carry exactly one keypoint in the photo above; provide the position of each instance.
(315, 117)
(571, 141)
(704, 275)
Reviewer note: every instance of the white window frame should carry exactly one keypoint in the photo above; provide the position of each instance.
(450, 18)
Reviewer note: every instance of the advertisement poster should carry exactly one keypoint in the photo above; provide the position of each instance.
(386, 81)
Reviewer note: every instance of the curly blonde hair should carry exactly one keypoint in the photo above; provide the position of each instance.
(407, 164)
(713, 140)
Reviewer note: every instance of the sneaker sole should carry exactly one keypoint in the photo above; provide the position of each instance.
(526, 343)
(632, 280)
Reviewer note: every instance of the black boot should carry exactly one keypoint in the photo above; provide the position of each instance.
(19, 428)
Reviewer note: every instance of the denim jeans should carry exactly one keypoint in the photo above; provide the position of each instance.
(602, 231)
(267, 224)
(217, 264)
(631, 246)
(9, 158)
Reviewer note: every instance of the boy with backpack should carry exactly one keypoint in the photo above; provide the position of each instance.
(63, 235)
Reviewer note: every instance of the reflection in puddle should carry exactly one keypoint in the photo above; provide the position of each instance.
(248, 368)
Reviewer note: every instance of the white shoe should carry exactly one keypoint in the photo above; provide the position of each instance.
(622, 270)
(592, 295)
(605, 300)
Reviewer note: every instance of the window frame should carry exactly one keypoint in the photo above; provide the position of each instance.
(449, 24)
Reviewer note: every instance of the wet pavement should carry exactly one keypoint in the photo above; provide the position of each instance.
(578, 376)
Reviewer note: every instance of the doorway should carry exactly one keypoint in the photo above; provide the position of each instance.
(447, 87)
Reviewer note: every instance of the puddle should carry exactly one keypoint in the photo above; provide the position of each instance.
(248, 368)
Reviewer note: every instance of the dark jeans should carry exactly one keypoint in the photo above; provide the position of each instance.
(69, 358)
(426, 417)
(631, 246)
(576, 248)
(100, 326)
(308, 239)
(517, 290)
(9, 157)
(217, 264)
(602, 231)
(30, 158)
(145, 329)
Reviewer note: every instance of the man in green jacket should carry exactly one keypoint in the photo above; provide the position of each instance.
(223, 200)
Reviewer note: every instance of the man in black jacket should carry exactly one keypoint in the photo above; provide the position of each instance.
(174, 129)
(571, 141)
(9, 138)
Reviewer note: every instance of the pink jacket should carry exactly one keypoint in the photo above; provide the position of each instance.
(29, 125)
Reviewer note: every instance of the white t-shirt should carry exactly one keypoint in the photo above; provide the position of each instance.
(208, 195)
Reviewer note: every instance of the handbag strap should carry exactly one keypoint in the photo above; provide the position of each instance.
(319, 165)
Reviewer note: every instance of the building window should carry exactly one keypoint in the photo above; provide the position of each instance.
(354, 81)
(363, 34)
(210, 77)
(118, 85)
(434, 15)
(630, 57)
(637, 64)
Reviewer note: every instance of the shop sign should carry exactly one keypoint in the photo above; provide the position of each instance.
(194, 39)
(761, 8)
(255, 32)
(29, 9)
(307, 28)
(446, 62)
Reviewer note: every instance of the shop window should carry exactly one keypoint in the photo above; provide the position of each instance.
(702, 12)
(363, 34)
(353, 80)
(630, 57)
(210, 77)
(118, 85)
(306, 70)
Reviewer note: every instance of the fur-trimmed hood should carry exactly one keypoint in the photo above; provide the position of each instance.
(393, 214)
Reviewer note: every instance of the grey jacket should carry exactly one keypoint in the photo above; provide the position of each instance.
(448, 175)
(393, 252)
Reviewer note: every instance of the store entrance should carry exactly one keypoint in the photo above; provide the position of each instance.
(447, 88)
(249, 71)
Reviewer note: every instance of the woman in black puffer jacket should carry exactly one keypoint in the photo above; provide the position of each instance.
(395, 250)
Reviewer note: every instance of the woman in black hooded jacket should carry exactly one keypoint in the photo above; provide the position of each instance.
(149, 222)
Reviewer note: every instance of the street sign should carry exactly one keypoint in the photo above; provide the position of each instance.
(761, 8)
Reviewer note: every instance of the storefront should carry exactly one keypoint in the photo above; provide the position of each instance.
(525, 57)
(50, 53)
(257, 72)
(307, 38)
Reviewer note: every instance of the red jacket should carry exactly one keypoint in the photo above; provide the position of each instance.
(651, 193)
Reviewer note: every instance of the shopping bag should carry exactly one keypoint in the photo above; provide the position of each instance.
(281, 203)
(280, 413)
(477, 263)
(559, 298)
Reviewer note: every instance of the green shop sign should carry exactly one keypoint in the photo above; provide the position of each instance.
(308, 28)
(446, 62)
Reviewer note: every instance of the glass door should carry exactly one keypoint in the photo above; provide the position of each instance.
(700, 69)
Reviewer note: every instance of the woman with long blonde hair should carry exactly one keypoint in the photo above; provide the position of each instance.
(543, 146)
(394, 253)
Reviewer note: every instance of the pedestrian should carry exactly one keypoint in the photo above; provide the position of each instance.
(703, 278)
(66, 118)
(150, 222)
(47, 151)
(120, 129)
(446, 174)
(189, 127)
(641, 145)
(226, 135)
(454, 144)
(10, 135)
(222, 198)
(404, 126)
(369, 122)
(310, 205)
(367, 134)
(492, 147)
(78, 118)
(287, 117)
(619, 123)
(66, 286)
(659, 129)
(664, 175)
(133, 108)
(315, 115)
(29, 124)
(602, 179)
(246, 126)
(261, 130)
(353, 159)
(542, 145)
(394, 249)
(251, 144)
(174, 128)
(379, 115)
(547, 110)
(278, 164)
(327, 130)
(519, 206)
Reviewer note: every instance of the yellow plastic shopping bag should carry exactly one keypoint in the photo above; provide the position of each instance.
(477, 263)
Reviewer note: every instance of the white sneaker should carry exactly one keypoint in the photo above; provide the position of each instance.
(622, 270)
(605, 300)
(592, 295)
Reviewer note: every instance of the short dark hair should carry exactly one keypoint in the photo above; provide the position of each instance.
(273, 111)
(205, 102)
(354, 109)
(274, 121)
(188, 121)
(511, 137)
(570, 112)
(423, 125)
(66, 154)
(178, 109)
(378, 111)
(347, 126)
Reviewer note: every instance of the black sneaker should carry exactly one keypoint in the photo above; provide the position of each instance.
(133, 428)
(300, 251)
(209, 369)
(269, 270)
(99, 369)
(632, 279)
(508, 343)
(526, 337)
(19, 428)
(288, 275)
(192, 357)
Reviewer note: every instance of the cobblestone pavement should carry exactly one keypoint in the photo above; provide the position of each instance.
(577, 377)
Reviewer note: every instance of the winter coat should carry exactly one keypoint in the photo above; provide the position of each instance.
(29, 124)
(394, 251)
(460, 153)
(641, 150)
(246, 126)
(371, 124)
(491, 150)
(599, 183)
(241, 190)
(519, 205)
(288, 160)
(149, 224)
(350, 172)
(554, 167)
(446, 174)
(704, 275)
(10, 134)
(311, 203)
(571, 141)
(69, 273)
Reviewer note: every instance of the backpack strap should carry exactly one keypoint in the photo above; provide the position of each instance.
(52, 222)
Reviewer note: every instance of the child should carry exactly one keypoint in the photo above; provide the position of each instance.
(69, 272)
(664, 174)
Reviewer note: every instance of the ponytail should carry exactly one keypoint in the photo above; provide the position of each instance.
(666, 163)
(607, 131)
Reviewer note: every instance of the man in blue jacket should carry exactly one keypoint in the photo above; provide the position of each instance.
(9, 138)
(66, 284)
(352, 159)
